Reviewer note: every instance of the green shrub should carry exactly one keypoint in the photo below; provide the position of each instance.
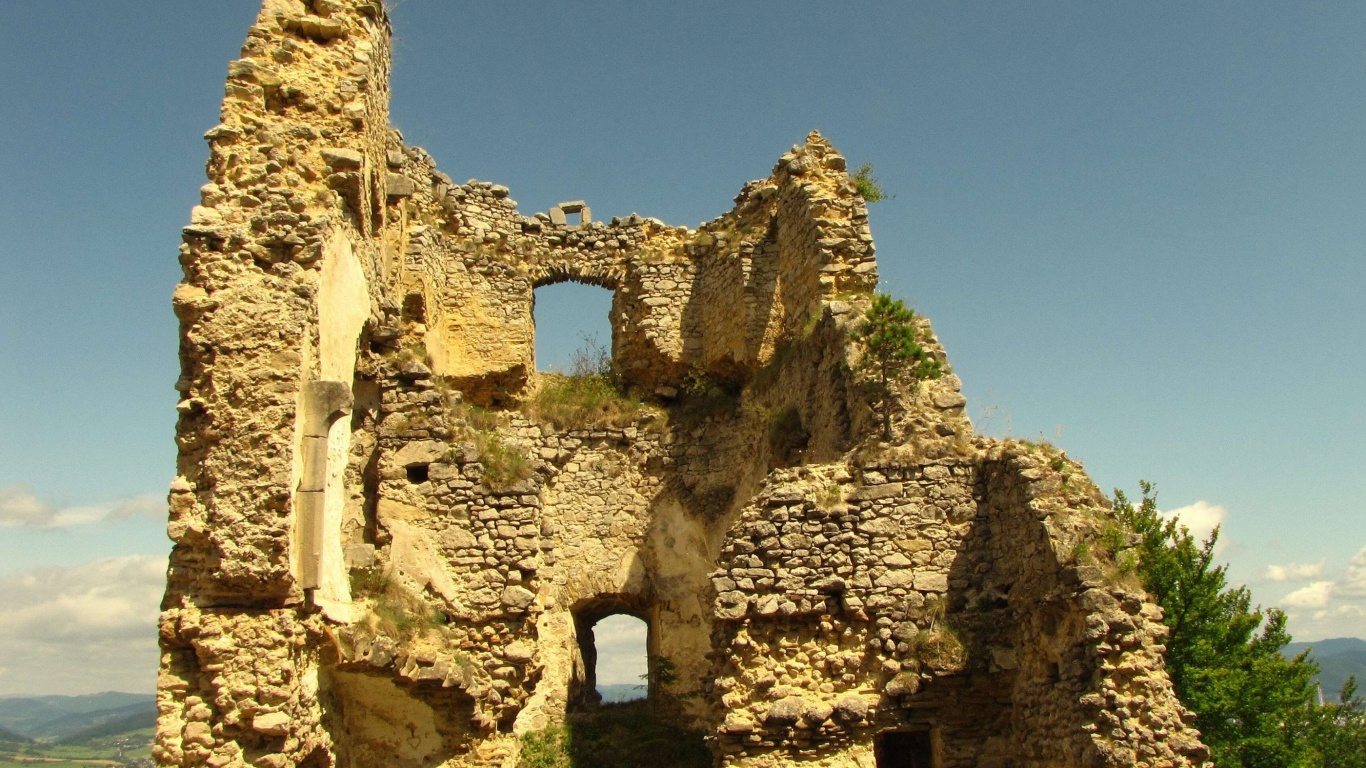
(548, 748)
(868, 188)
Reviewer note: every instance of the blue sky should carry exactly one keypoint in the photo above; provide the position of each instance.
(1138, 228)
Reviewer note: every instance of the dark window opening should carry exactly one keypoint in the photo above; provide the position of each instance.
(904, 749)
(419, 473)
(573, 329)
(415, 308)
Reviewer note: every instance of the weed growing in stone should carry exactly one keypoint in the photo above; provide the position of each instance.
(395, 612)
(504, 465)
(831, 496)
(868, 187)
(369, 581)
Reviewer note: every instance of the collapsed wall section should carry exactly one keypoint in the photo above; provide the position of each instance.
(944, 598)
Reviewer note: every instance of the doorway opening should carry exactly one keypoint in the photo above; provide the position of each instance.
(622, 668)
(905, 749)
(614, 644)
(573, 328)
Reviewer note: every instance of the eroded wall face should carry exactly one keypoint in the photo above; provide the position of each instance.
(386, 554)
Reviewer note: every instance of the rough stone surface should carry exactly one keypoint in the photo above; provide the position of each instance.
(355, 582)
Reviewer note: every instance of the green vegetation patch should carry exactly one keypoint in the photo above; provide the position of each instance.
(624, 735)
(504, 465)
(589, 401)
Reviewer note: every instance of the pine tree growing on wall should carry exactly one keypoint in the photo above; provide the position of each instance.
(892, 353)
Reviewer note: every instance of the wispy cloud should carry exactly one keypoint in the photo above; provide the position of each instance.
(1295, 571)
(19, 508)
(81, 630)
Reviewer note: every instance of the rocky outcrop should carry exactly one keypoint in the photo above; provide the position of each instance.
(390, 550)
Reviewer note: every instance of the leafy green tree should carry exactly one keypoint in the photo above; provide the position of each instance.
(891, 353)
(1253, 706)
(1337, 730)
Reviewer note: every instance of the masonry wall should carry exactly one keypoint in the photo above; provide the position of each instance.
(384, 556)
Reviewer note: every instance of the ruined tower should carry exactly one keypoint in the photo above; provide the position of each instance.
(390, 552)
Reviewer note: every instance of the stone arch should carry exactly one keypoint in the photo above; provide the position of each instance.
(609, 276)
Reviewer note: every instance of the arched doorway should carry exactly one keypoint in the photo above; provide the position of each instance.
(615, 639)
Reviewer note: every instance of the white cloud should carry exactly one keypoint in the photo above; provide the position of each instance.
(1295, 571)
(1353, 583)
(1201, 518)
(620, 641)
(1331, 608)
(20, 508)
(82, 630)
(1315, 595)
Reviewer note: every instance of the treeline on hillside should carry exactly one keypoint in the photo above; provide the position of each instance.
(1254, 706)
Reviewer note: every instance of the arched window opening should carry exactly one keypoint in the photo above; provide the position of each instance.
(573, 329)
(615, 658)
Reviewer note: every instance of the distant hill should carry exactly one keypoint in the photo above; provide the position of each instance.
(8, 736)
(1338, 658)
(138, 721)
(53, 718)
(621, 692)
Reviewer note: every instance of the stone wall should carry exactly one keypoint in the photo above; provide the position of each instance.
(387, 554)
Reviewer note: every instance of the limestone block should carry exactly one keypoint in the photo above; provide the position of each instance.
(420, 452)
(785, 712)
(271, 724)
(896, 579)
(930, 581)
(518, 598)
(397, 185)
(342, 159)
(852, 708)
(360, 556)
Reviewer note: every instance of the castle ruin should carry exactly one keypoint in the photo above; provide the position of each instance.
(385, 555)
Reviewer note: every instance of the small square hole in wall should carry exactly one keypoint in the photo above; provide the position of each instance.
(419, 473)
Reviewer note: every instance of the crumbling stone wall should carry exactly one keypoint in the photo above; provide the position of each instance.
(383, 557)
